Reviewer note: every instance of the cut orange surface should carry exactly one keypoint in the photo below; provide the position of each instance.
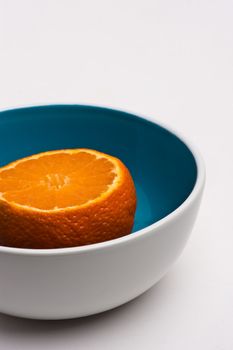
(65, 198)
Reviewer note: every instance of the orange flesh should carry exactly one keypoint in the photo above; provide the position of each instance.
(57, 181)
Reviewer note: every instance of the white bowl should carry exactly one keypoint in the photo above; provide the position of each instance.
(80, 281)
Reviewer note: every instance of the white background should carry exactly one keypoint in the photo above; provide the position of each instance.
(169, 59)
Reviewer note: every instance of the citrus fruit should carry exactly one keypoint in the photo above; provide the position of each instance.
(65, 198)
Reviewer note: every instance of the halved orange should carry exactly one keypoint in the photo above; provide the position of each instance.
(65, 198)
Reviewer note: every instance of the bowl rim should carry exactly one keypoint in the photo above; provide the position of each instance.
(197, 189)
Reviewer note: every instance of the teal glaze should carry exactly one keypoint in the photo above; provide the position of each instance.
(162, 166)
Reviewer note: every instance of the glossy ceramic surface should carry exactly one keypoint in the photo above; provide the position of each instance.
(169, 178)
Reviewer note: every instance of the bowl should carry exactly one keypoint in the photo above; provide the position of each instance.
(73, 282)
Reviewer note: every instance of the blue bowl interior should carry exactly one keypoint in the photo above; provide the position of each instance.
(163, 168)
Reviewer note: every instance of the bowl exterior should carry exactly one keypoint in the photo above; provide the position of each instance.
(85, 282)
